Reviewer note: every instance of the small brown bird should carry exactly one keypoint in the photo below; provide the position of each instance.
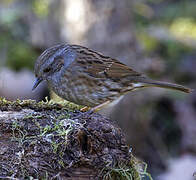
(86, 77)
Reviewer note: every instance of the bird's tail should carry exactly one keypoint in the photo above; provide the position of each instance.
(146, 82)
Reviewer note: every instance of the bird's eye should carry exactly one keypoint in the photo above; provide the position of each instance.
(47, 69)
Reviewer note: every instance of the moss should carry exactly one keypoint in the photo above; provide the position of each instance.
(6, 105)
(54, 131)
(134, 170)
(61, 163)
(18, 134)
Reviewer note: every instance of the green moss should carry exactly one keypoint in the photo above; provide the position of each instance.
(61, 130)
(135, 170)
(61, 163)
(32, 104)
(18, 134)
(55, 146)
(60, 124)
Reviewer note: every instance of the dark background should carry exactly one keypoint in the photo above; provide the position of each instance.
(157, 37)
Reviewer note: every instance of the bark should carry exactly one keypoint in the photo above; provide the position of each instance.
(47, 140)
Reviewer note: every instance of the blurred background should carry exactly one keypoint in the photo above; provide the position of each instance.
(156, 37)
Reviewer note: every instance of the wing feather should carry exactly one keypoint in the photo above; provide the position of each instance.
(98, 65)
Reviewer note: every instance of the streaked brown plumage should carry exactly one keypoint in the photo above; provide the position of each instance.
(89, 78)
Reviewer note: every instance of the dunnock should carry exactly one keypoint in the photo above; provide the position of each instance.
(89, 78)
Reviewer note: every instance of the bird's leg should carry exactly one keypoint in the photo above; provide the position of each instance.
(94, 109)
(88, 111)
(85, 108)
(99, 107)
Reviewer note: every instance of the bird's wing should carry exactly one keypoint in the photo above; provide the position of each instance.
(98, 65)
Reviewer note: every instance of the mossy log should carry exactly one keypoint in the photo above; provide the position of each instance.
(49, 141)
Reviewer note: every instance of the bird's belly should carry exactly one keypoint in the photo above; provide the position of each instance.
(85, 91)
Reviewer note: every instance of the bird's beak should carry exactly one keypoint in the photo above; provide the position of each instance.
(38, 80)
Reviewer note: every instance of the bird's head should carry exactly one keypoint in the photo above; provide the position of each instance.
(48, 63)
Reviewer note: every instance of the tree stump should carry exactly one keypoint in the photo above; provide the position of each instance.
(48, 140)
